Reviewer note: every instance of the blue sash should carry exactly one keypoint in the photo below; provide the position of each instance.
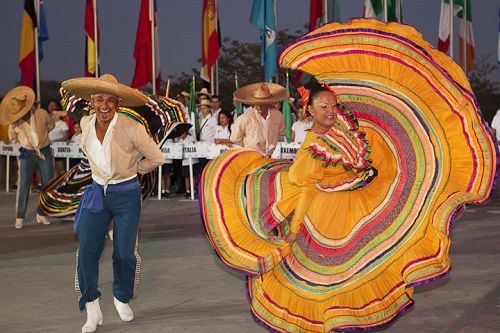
(93, 198)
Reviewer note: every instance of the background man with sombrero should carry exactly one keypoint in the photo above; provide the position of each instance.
(29, 126)
(113, 144)
(260, 126)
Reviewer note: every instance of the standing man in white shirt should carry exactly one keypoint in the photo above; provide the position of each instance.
(113, 145)
(259, 127)
(208, 127)
(216, 106)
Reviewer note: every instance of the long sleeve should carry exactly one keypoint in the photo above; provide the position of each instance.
(237, 132)
(305, 172)
(153, 156)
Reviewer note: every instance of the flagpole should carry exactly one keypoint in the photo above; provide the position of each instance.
(212, 75)
(276, 25)
(167, 91)
(451, 28)
(96, 39)
(217, 77)
(325, 15)
(385, 11)
(153, 65)
(464, 39)
(37, 60)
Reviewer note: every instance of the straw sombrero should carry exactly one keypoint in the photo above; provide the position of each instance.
(16, 104)
(185, 94)
(261, 93)
(85, 87)
(206, 103)
(203, 91)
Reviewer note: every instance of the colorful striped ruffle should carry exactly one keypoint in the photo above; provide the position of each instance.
(359, 252)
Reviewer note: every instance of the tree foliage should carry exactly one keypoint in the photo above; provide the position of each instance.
(486, 90)
(236, 58)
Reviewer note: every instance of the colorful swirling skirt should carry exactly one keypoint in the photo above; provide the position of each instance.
(359, 253)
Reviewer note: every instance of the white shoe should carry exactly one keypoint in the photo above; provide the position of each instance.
(110, 234)
(94, 316)
(124, 310)
(19, 223)
(40, 219)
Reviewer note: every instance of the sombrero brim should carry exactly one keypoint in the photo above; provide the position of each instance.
(8, 115)
(246, 94)
(85, 87)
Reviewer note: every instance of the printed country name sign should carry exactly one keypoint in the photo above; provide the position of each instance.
(172, 151)
(289, 150)
(62, 149)
(216, 150)
(9, 149)
(195, 150)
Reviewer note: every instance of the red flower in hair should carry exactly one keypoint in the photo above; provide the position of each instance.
(304, 93)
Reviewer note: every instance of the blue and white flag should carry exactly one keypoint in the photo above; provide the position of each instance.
(263, 16)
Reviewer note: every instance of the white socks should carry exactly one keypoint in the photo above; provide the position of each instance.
(94, 316)
(124, 310)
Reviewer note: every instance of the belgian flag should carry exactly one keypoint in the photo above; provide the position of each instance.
(27, 45)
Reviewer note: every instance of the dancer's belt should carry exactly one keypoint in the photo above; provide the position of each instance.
(93, 198)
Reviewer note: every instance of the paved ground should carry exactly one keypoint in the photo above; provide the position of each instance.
(184, 288)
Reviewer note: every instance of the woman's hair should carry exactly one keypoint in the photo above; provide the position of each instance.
(229, 119)
(314, 88)
(58, 104)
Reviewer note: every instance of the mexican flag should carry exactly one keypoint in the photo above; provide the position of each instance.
(373, 8)
(466, 36)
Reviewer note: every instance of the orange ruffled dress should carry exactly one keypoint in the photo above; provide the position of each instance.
(371, 226)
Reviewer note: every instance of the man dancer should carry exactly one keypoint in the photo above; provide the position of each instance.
(112, 143)
(29, 126)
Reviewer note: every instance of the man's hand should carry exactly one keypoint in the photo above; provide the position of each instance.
(291, 237)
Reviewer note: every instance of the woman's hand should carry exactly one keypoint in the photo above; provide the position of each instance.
(291, 237)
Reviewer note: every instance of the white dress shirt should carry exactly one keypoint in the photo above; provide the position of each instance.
(208, 126)
(100, 152)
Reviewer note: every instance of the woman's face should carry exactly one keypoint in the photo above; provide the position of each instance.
(223, 119)
(323, 110)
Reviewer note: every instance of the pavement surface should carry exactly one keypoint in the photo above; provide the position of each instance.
(184, 287)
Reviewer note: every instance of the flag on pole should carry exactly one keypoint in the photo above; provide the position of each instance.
(43, 31)
(210, 38)
(263, 16)
(373, 8)
(316, 19)
(317, 12)
(193, 114)
(144, 47)
(91, 63)
(27, 44)
(239, 106)
(287, 114)
(445, 22)
(468, 40)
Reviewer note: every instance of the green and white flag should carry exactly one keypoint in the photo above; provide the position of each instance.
(373, 8)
